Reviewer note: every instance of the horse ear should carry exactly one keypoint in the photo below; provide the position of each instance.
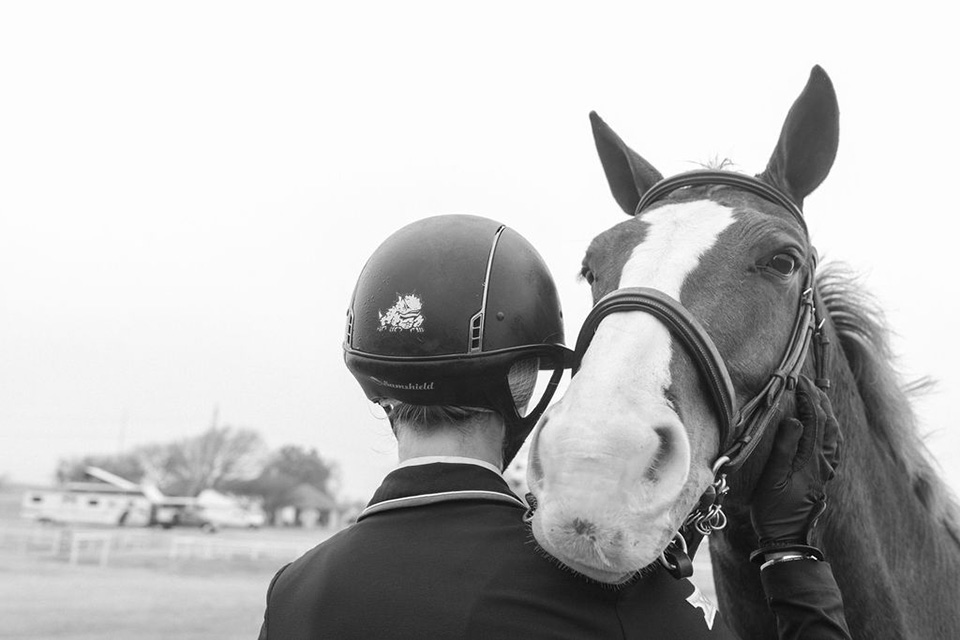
(628, 175)
(808, 140)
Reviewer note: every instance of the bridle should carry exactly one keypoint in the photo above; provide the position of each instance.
(740, 430)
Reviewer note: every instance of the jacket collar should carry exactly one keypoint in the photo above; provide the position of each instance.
(430, 482)
(414, 462)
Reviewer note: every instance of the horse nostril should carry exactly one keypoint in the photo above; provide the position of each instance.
(664, 450)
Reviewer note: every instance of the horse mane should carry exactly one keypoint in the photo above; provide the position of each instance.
(863, 335)
(716, 163)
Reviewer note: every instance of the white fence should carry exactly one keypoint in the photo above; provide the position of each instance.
(208, 548)
(32, 540)
(86, 543)
(101, 546)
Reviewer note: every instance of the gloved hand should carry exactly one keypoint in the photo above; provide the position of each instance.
(790, 494)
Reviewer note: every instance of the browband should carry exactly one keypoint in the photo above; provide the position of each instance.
(727, 178)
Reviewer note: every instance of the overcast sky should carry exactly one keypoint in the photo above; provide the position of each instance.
(188, 191)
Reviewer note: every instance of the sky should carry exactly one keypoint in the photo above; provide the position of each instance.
(188, 191)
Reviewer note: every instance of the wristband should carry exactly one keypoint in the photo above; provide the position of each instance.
(790, 557)
(802, 549)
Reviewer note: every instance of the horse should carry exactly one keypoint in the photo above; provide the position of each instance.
(703, 290)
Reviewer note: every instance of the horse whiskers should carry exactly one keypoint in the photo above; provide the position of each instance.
(600, 555)
(585, 538)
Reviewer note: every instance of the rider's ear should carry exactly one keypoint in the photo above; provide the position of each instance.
(808, 140)
(628, 175)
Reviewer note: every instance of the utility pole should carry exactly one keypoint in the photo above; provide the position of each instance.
(124, 418)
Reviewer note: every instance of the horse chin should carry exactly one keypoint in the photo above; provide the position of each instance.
(608, 554)
(599, 575)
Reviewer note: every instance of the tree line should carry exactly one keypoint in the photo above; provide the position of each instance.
(227, 459)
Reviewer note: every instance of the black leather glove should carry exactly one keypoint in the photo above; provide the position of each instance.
(790, 494)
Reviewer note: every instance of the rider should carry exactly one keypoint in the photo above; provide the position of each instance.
(450, 321)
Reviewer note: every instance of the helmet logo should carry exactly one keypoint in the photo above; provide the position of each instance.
(403, 316)
(406, 386)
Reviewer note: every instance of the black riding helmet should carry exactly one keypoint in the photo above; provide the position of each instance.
(443, 310)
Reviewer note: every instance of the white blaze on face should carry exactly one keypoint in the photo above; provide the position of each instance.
(612, 457)
(677, 236)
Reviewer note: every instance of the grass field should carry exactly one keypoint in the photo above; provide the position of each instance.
(141, 592)
(214, 591)
(51, 599)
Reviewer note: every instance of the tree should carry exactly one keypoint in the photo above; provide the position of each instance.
(304, 465)
(125, 465)
(212, 460)
(287, 468)
(158, 465)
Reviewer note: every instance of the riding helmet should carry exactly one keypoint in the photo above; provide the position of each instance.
(448, 311)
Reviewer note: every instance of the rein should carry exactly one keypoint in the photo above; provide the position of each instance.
(740, 430)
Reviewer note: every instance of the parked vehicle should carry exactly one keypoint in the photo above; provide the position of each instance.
(117, 501)
(225, 511)
(86, 503)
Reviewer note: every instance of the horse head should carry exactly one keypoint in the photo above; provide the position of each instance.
(618, 462)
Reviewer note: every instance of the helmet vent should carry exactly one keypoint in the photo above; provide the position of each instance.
(476, 332)
(476, 322)
(348, 339)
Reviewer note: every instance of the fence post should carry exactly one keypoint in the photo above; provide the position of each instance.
(55, 543)
(74, 557)
(104, 551)
(175, 548)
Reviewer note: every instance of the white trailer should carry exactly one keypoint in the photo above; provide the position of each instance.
(87, 503)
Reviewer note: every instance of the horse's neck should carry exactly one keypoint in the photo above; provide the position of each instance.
(897, 567)
(896, 564)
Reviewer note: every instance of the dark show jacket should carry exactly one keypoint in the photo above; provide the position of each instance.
(442, 552)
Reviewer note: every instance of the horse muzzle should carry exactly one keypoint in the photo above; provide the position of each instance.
(606, 507)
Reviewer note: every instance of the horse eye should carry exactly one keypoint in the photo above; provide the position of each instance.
(587, 275)
(783, 263)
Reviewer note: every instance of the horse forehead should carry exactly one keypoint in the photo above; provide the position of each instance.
(677, 236)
